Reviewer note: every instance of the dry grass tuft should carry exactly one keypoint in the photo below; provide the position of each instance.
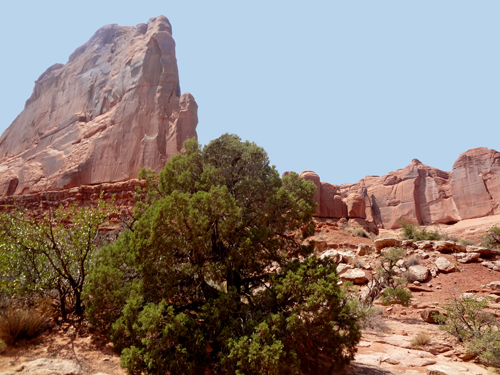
(21, 324)
(421, 339)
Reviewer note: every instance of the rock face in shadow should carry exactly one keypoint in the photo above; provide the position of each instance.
(112, 109)
(417, 193)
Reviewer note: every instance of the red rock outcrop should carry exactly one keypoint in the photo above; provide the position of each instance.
(418, 193)
(475, 183)
(112, 109)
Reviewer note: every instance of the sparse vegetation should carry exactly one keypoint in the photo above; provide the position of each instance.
(21, 324)
(491, 239)
(415, 232)
(421, 340)
(356, 262)
(387, 285)
(53, 253)
(466, 319)
(466, 242)
(190, 288)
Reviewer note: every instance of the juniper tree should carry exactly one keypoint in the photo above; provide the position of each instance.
(214, 276)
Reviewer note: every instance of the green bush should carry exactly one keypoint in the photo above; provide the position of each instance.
(209, 279)
(50, 253)
(387, 285)
(491, 239)
(415, 232)
(466, 319)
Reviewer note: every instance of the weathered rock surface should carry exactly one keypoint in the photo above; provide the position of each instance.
(419, 273)
(112, 109)
(382, 243)
(418, 193)
(444, 265)
(46, 366)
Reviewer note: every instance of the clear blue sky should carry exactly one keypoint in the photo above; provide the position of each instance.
(344, 88)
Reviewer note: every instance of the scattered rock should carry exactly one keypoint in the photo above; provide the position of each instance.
(355, 276)
(494, 285)
(343, 268)
(467, 257)
(46, 366)
(382, 243)
(365, 249)
(427, 315)
(441, 370)
(448, 247)
(444, 265)
(483, 251)
(419, 272)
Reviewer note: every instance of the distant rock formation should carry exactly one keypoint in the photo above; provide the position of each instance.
(418, 193)
(112, 109)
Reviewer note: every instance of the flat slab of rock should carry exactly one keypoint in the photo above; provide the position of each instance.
(355, 276)
(494, 285)
(448, 247)
(46, 366)
(483, 251)
(467, 257)
(444, 265)
(382, 243)
(442, 370)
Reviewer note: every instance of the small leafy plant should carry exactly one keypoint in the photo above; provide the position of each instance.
(415, 232)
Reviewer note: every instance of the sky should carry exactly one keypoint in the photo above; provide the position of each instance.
(344, 88)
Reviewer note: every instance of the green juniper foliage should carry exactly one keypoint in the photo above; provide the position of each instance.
(54, 252)
(209, 276)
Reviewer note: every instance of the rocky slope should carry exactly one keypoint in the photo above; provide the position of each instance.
(418, 193)
(113, 108)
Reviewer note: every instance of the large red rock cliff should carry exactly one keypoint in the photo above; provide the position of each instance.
(112, 109)
(418, 193)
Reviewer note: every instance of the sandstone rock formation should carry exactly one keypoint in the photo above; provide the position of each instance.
(112, 109)
(417, 193)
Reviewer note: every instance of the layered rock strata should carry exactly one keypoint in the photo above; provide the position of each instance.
(113, 108)
(418, 193)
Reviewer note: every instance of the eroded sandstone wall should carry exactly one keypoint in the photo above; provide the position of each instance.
(113, 108)
(417, 193)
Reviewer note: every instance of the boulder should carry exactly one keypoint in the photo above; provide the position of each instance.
(419, 273)
(382, 243)
(428, 315)
(334, 254)
(365, 249)
(444, 265)
(112, 109)
(467, 257)
(355, 276)
(448, 247)
(494, 285)
(343, 268)
(424, 245)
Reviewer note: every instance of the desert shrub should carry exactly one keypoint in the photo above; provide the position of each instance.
(487, 347)
(491, 239)
(466, 319)
(386, 284)
(21, 324)
(50, 253)
(466, 242)
(190, 288)
(360, 232)
(415, 232)
(421, 339)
